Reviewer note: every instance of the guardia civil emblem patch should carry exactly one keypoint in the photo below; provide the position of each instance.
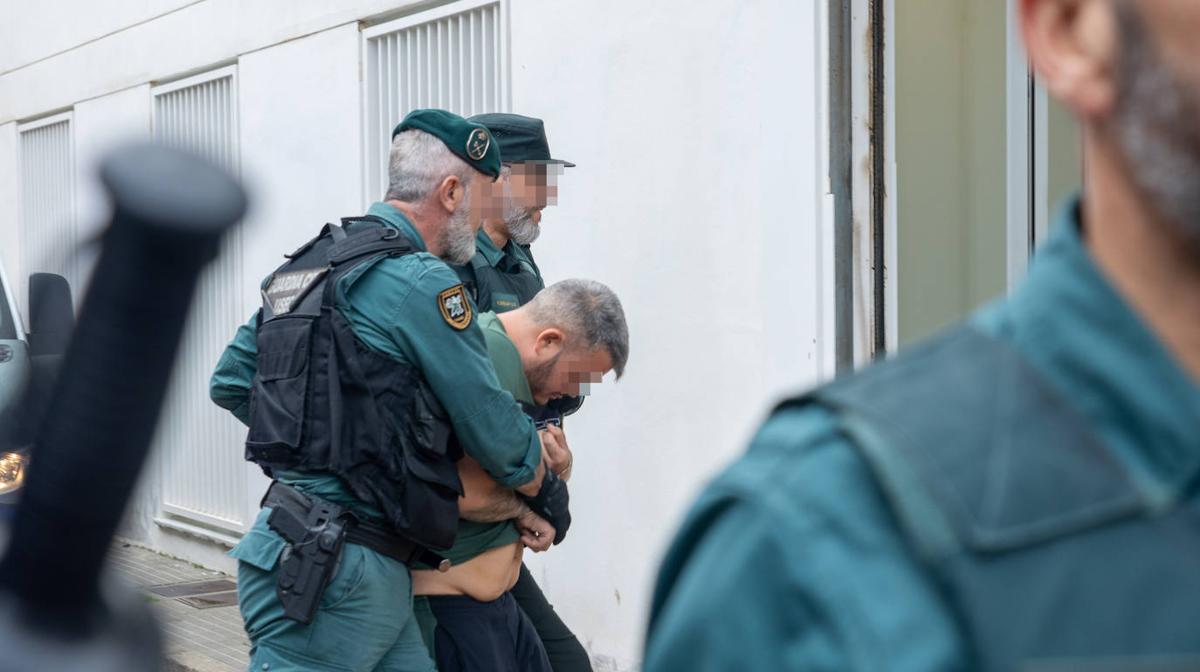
(478, 143)
(455, 307)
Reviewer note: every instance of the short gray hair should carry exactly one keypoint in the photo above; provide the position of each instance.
(586, 310)
(419, 162)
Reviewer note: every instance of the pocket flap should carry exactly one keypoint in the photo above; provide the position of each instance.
(284, 344)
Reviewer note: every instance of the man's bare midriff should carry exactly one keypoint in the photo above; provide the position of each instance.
(485, 577)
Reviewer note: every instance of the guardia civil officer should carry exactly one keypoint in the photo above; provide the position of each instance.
(503, 276)
(363, 359)
(1020, 493)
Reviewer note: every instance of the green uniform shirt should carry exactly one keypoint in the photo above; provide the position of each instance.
(391, 304)
(792, 560)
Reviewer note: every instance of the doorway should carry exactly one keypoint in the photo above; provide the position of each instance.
(982, 159)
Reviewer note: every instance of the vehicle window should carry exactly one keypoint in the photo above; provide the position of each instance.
(8, 330)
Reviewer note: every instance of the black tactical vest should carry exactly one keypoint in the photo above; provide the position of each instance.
(498, 289)
(324, 401)
(1045, 547)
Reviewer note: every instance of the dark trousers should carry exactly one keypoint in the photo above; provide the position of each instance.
(474, 636)
(562, 647)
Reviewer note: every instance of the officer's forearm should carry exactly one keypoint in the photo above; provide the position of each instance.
(229, 386)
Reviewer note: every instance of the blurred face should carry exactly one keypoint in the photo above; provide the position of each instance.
(473, 205)
(555, 372)
(528, 189)
(1157, 111)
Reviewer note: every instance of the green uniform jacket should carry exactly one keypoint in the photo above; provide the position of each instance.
(791, 559)
(500, 279)
(392, 305)
(474, 538)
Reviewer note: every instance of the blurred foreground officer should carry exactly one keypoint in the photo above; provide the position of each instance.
(363, 358)
(1019, 493)
(503, 276)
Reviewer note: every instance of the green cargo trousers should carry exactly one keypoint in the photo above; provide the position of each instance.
(365, 620)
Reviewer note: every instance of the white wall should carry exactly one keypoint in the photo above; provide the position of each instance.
(699, 198)
(198, 35)
(300, 147)
(99, 125)
(38, 30)
(300, 137)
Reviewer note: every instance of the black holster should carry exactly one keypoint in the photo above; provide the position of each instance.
(316, 532)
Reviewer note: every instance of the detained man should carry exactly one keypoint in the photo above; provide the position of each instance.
(568, 337)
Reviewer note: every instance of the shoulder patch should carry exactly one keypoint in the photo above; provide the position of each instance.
(455, 307)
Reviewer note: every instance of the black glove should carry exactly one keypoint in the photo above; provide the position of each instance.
(552, 503)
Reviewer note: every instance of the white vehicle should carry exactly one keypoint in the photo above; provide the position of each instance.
(14, 374)
(28, 365)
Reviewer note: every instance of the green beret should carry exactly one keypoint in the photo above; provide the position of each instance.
(470, 141)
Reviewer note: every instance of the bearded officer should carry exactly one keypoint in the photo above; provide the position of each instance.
(1020, 493)
(362, 361)
(503, 276)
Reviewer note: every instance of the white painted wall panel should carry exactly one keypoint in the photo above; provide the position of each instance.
(50, 239)
(454, 61)
(35, 30)
(200, 35)
(203, 481)
(100, 125)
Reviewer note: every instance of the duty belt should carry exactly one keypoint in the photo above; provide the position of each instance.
(360, 529)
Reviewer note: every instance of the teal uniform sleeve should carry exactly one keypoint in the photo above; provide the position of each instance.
(790, 561)
(394, 307)
(229, 386)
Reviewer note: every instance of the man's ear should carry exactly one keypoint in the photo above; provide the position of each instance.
(451, 192)
(549, 343)
(1073, 46)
